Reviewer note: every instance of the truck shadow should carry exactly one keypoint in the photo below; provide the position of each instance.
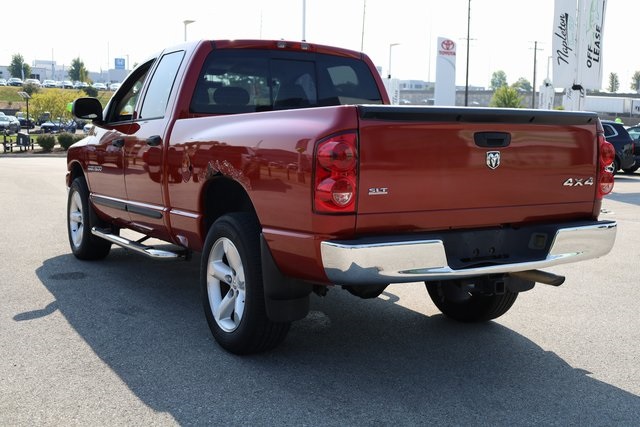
(350, 362)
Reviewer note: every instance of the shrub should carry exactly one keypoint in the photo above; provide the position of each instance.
(65, 140)
(47, 142)
(31, 88)
(90, 91)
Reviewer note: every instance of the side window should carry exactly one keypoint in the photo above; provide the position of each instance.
(157, 96)
(121, 109)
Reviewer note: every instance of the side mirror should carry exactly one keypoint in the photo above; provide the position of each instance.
(87, 108)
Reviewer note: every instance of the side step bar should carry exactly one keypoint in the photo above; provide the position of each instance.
(137, 246)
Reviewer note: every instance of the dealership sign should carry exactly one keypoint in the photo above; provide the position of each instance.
(577, 43)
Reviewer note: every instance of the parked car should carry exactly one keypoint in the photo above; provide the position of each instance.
(3, 82)
(49, 83)
(34, 82)
(114, 86)
(14, 81)
(67, 84)
(617, 135)
(99, 86)
(59, 126)
(9, 123)
(634, 132)
(26, 123)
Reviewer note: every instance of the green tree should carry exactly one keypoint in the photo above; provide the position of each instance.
(498, 79)
(506, 97)
(77, 71)
(18, 66)
(52, 101)
(614, 82)
(522, 84)
(635, 81)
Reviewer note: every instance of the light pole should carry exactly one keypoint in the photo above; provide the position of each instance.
(535, 63)
(390, 49)
(187, 22)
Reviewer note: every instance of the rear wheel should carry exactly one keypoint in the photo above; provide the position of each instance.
(456, 301)
(631, 169)
(233, 294)
(80, 219)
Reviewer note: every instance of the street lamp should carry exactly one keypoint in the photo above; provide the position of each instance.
(187, 22)
(390, 48)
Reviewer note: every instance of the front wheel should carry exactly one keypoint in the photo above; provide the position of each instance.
(80, 219)
(232, 289)
(631, 170)
(454, 300)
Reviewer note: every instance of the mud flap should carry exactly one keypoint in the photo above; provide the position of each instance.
(285, 299)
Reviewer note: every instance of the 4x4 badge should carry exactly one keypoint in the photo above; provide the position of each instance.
(493, 159)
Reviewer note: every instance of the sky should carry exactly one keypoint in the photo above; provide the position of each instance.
(502, 32)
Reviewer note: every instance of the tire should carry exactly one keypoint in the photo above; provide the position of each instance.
(460, 304)
(80, 219)
(232, 289)
(631, 170)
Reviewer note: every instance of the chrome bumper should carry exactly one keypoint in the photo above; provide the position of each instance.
(395, 261)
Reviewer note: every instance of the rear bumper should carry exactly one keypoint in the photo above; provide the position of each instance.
(398, 260)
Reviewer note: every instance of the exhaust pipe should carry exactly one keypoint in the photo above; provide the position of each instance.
(540, 277)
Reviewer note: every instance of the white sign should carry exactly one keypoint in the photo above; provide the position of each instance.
(393, 90)
(590, 43)
(577, 43)
(445, 90)
(565, 27)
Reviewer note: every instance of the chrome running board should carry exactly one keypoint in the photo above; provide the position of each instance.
(138, 247)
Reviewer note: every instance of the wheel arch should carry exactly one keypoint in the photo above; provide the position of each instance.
(222, 195)
(75, 171)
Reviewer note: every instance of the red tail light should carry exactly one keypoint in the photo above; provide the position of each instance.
(336, 169)
(607, 155)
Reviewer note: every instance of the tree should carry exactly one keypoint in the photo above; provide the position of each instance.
(19, 68)
(614, 83)
(54, 102)
(635, 81)
(498, 79)
(506, 97)
(77, 71)
(523, 84)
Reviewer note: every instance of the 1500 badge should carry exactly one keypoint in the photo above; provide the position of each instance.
(578, 182)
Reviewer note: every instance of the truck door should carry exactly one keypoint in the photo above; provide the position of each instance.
(145, 149)
(105, 159)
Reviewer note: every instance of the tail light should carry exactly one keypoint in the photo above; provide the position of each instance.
(336, 169)
(606, 155)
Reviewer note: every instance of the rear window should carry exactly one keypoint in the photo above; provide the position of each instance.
(242, 81)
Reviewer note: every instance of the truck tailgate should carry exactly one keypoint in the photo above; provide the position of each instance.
(455, 163)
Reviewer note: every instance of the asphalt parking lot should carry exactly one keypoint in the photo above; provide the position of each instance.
(124, 341)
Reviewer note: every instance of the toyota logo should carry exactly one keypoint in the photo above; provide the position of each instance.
(448, 44)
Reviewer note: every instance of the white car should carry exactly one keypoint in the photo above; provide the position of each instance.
(99, 86)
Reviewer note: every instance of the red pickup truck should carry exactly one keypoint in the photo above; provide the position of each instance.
(281, 165)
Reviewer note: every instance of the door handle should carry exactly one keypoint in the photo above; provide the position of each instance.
(118, 142)
(154, 140)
